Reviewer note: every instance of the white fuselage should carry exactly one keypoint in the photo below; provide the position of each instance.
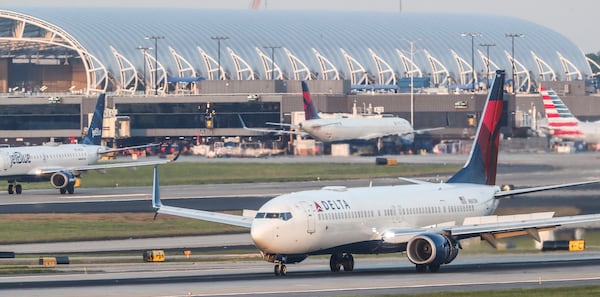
(591, 131)
(313, 221)
(32, 160)
(343, 129)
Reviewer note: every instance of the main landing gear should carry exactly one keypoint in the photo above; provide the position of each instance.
(424, 267)
(337, 261)
(14, 188)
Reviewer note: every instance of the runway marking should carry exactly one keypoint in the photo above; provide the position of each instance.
(104, 196)
(532, 281)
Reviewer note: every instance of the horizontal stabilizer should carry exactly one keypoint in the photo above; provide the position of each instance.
(504, 194)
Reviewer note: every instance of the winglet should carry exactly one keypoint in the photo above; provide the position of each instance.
(310, 111)
(483, 160)
(156, 204)
(94, 133)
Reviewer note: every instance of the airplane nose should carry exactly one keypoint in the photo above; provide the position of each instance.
(262, 233)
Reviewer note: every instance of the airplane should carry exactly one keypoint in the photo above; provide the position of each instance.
(342, 129)
(424, 220)
(563, 124)
(61, 164)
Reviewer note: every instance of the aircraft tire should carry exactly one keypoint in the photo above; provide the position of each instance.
(10, 190)
(62, 190)
(335, 262)
(18, 189)
(348, 262)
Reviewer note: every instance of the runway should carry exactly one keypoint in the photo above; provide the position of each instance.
(374, 274)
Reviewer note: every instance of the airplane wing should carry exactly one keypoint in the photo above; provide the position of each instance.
(500, 227)
(272, 130)
(110, 150)
(100, 166)
(401, 134)
(222, 218)
(421, 131)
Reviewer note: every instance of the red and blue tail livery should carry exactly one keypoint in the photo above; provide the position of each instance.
(482, 163)
(310, 110)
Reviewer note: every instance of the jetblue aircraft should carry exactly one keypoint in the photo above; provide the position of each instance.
(424, 220)
(341, 129)
(563, 124)
(61, 164)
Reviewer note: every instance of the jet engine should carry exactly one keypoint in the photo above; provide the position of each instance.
(63, 180)
(432, 249)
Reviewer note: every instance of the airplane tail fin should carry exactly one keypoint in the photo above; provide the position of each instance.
(310, 110)
(481, 165)
(94, 132)
(561, 121)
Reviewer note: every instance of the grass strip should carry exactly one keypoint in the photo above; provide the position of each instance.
(194, 173)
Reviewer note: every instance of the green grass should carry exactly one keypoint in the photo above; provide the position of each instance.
(23, 228)
(581, 291)
(194, 173)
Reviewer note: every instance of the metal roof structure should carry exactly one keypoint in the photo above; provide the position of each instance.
(368, 48)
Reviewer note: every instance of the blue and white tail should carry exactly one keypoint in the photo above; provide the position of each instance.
(310, 110)
(483, 160)
(94, 132)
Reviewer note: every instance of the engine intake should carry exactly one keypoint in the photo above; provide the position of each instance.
(432, 249)
(62, 179)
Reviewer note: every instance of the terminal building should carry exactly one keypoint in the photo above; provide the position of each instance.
(190, 72)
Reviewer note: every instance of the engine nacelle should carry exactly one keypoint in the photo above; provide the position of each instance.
(62, 179)
(432, 249)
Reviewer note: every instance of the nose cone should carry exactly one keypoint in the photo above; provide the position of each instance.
(262, 233)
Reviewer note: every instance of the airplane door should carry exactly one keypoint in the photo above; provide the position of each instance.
(5, 161)
(310, 217)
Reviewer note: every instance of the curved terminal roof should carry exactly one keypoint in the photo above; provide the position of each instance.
(304, 44)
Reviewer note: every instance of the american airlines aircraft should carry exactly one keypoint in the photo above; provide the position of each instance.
(424, 220)
(563, 124)
(61, 164)
(341, 129)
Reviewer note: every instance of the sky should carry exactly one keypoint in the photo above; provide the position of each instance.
(574, 18)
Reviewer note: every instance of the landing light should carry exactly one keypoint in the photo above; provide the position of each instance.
(388, 234)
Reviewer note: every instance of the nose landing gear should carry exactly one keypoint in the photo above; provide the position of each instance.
(280, 269)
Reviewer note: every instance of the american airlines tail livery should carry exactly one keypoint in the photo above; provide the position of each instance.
(563, 124)
(61, 164)
(424, 220)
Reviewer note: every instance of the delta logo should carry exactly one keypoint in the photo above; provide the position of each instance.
(326, 205)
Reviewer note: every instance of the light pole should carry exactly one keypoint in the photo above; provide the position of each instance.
(512, 37)
(272, 47)
(412, 93)
(144, 49)
(487, 64)
(472, 35)
(155, 38)
(218, 39)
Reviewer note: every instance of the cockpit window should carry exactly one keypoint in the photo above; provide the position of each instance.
(274, 215)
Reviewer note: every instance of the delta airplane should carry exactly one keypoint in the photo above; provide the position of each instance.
(563, 124)
(61, 164)
(424, 220)
(341, 129)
